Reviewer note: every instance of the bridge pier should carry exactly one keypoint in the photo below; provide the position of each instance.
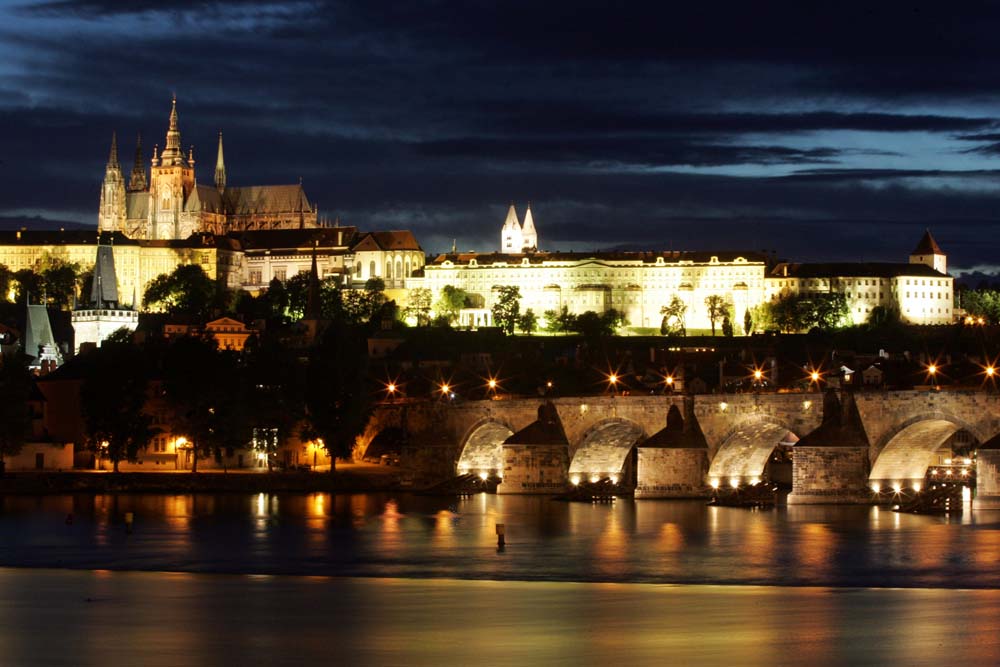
(673, 462)
(536, 458)
(830, 465)
(988, 476)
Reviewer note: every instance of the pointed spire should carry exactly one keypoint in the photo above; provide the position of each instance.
(172, 152)
(529, 237)
(511, 220)
(113, 156)
(927, 245)
(104, 289)
(220, 168)
(156, 160)
(138, 183)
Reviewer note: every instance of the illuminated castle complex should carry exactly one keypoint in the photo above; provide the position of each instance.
(171, 204)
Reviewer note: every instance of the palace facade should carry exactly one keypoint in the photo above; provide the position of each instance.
(639, 284)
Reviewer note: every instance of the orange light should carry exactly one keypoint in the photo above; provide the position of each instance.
(391, 388)
(990, 371)
(613, 379)
(445, 389)
(932, 369)
(757, 374)
(669, 379)
(814, 376)
(492, 383)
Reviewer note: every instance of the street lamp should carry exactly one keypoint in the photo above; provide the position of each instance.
(669, 381)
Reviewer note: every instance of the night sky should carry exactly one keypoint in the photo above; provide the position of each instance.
(819, 130)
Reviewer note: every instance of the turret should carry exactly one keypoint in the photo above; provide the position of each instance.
(172, 153)
(220, 168)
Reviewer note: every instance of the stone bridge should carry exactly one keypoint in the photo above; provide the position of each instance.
(842, 444)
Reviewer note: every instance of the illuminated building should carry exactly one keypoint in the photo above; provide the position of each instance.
(637, 284)
(920, 291)
(171, 204)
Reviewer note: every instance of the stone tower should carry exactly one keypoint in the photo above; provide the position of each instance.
(511, 240)
(104, 315)
(111, 214)
(529, 237)
(171, 182)
(929, 252)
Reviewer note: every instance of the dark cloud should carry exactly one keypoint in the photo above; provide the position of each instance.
(822, 131)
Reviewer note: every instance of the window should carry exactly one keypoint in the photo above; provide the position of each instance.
(280, 274)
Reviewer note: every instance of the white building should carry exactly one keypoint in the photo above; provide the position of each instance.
(637, 284)
(920, 291)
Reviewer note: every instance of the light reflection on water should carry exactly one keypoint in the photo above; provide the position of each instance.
(407, 535)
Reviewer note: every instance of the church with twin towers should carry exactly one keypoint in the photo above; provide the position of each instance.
(167, 201)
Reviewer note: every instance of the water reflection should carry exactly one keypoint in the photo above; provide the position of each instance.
(407, 535)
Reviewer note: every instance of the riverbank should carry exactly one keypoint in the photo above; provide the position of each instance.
(349, 478)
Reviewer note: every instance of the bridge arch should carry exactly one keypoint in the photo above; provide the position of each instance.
(907, 451)
(388, 441)
(482, 450)
(605, 450)
(745, 450)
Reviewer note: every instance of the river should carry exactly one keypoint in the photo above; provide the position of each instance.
(403, 579)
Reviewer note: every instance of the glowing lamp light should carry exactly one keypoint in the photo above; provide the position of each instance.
(917, 486)
(947, 462)
(734, 482)
(714, 483)
(614, 479)
(990, 371)
(876, 487)
(574, 480)
(965, 472)
(669, 379)
(814, 376)
(594, 479)
(980, 321)
(391, 388)
(754, 481)
(932, 369)
(445, 389)
(934, 471)
(549, 384)
(484, 475)
(723, 405)
(967, 461)
(897, 487)
(613, 379)
(758, 374)
(492, 384)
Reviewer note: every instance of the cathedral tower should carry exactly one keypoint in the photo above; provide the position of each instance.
(111, 214)
(529, 237)
(510, 235)
(171, 182)
(138, 182)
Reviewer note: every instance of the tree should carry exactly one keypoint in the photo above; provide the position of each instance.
(727, 326)
(506, 307)
(672, 323)
(747, 322)
(559, 320)
(418, 306)
(338, 402)
(528, 322)
(276, 299)
(186, 291)
(112, 398)
(451, 301)
(15, 419)
(203, 387)
(60, 279)
(28, 282)
(6, 280)
(362, 306)
(717, 309)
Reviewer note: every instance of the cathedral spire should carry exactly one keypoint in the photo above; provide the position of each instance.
(172, 153)
(220, 168)
(113, 156)
(529, 237)
(138, 183)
